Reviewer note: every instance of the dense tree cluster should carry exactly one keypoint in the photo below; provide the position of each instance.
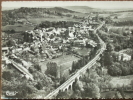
(37, 67)
(107, 59)
(127, 22)
(121, 68)
(13, 80)
(62, 95)
(52, 69)
(21, 87)
(79, 64)
(61, 24)
(42, 80)
(7, 75)
(27, 37)
(119, 42)
(10, 43)
(115, 67)
(92, 90)
(86, 87)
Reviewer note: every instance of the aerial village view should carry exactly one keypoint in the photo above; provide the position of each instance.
(66, 52)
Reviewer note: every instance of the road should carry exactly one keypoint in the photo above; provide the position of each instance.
(81, 71)
(22, 69)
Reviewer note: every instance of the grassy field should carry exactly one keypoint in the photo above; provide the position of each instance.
(123, 19)
(122, 80)
(63, 61)
(83, 51)
(79, 14)
(124, 14)
(104, 15)
(111, 94)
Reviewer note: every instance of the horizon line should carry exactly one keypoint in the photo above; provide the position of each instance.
(92, 4)
(66, 6)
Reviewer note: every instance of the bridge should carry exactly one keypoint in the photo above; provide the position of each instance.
(68, 84)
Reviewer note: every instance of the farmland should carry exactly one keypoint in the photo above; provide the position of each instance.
(17, 28)
(39, 20)
(122, 16)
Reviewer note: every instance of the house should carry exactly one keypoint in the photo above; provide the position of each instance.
(4, 36)
(125, 54)
(4, 61)
(5, 50)
(28, 36)
(76, 25)
(57, 31)
(71, 34)
(79, 43)
(121, 56)
(124, 57)
(71, 28)
(91, 42)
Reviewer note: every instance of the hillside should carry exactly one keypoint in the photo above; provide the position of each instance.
(8, 8)
(61, 10)
(25, 12)
(86, 9)
(83, 9)
(30, 11)
(11, 16)
(44, 8)
(36, 15)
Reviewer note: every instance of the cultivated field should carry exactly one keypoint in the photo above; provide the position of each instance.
(17, 27)
(123, 16)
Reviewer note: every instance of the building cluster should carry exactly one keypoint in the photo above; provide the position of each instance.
(122, 56)
(52, 42)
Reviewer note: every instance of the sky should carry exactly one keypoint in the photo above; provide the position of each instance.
(93, 4)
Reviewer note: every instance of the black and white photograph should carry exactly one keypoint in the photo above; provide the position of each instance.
(66, 49)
